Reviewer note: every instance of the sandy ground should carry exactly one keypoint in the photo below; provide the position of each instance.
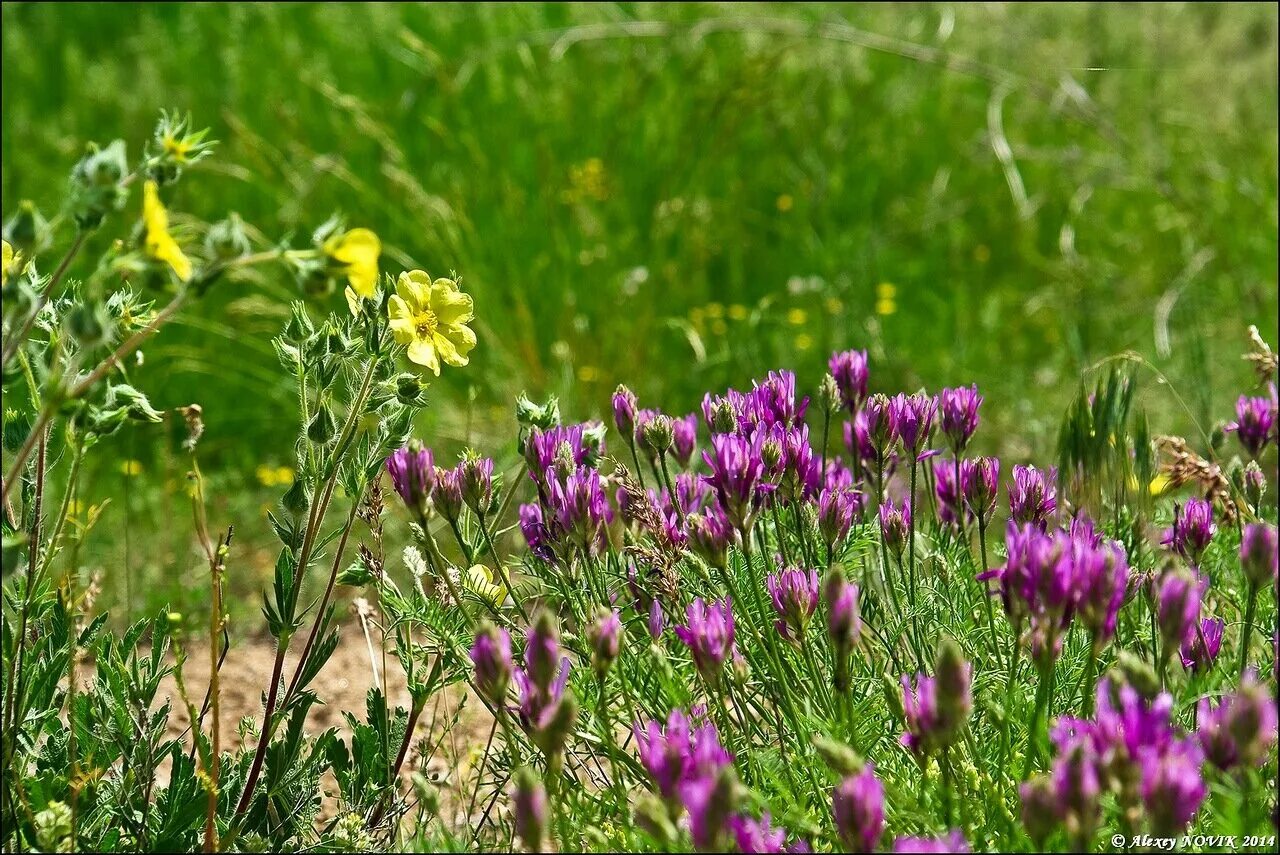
(446, 752)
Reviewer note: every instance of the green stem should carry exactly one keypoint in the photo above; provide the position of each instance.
(502, 570)
(1249, 613)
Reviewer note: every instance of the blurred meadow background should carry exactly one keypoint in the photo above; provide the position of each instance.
(681, 197)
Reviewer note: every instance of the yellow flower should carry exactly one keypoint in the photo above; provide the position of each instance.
(274, 476)
(479, 581)
(737, 312)
(797, 317)
(356, 254)
(785, 202)
(588, 373)
(804, 341)
(431, 318)
(157, 242)
(886, 307)
(715, 310)
(981, 253)
(130, 467)
(885, 294)
(8, 262)
(1160, 484)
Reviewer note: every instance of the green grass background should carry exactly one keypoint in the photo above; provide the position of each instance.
(1043, 184)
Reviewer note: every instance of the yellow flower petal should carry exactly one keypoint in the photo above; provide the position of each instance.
(451, 305)
(414, 287)
(357, 251)
(423, 352)
(157, 242)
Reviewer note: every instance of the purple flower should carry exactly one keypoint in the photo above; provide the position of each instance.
(1258, 554)
(536, 533)
(920, 707)
(1033, 495)
(529, 809)
(1178, 607)
(1038, 583)
(448, 492)
(476, 475)
(912, 419)
(849, 368)
(959, 415)
(836, 510)
(578, 508)
(1101, 577)
(757, 835)
(858, 807)
(1241, 729)
(1173, 787)
(624, 412)
(679, 753)
(1193, 529)
(685, 433)
(709, 801)
(979, 482)
(1199, 653)
(568, 446)
(656, 620)
(857, 438)
(950, 498)
(708, 634)
(953, 841)
(710, 533)
(773, 402)
(724, 414)
(737, 476)
(491, 654)
(895, 525)
(413, 474)
(605, 638)
(1255, 424)
(795, 597)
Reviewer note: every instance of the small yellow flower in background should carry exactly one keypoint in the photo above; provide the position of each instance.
(431, 318)
(274, 476)
(9, 261)
(587, 180)
(785, 202)
(804, 341)
(356, 253)
(156, 240)
(886, 292)
(719, 327)
(797, 317)
(697, 317)
(715, 310)
(737, 312)
(1160, 484)
(130, 468)
(982, 253)
(588, 373)
(833, 306)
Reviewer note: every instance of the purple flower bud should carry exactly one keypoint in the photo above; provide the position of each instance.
(413, 474)
(794, 594)
(1178, 607)
(1101, 578)
(1255, 424)
(844, 619)
(836, 510)
(684, 437)
(857, 438)
(709, 636)
(579, 508)
(895, 525)
(605, 637)
(1258, 554)
(953, 841)
(654, 433)
(529, 809)
(536, 533)
(657, 622)
(920, 709)
(1201, 650)
(679, 753)
(1076, 788)
(1193, 529)
(624, 411)
(858, 807)
(542, 650)
(1039, 809)
(959, 411)
(880, 425)
(1241, 729)
(1033, 495)
(723, 415)
(849, 368)
(448, 493)
(710, 533)
(476, 474)
(980, 481)
(491, 654)
(912, 419)
(947, 489)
